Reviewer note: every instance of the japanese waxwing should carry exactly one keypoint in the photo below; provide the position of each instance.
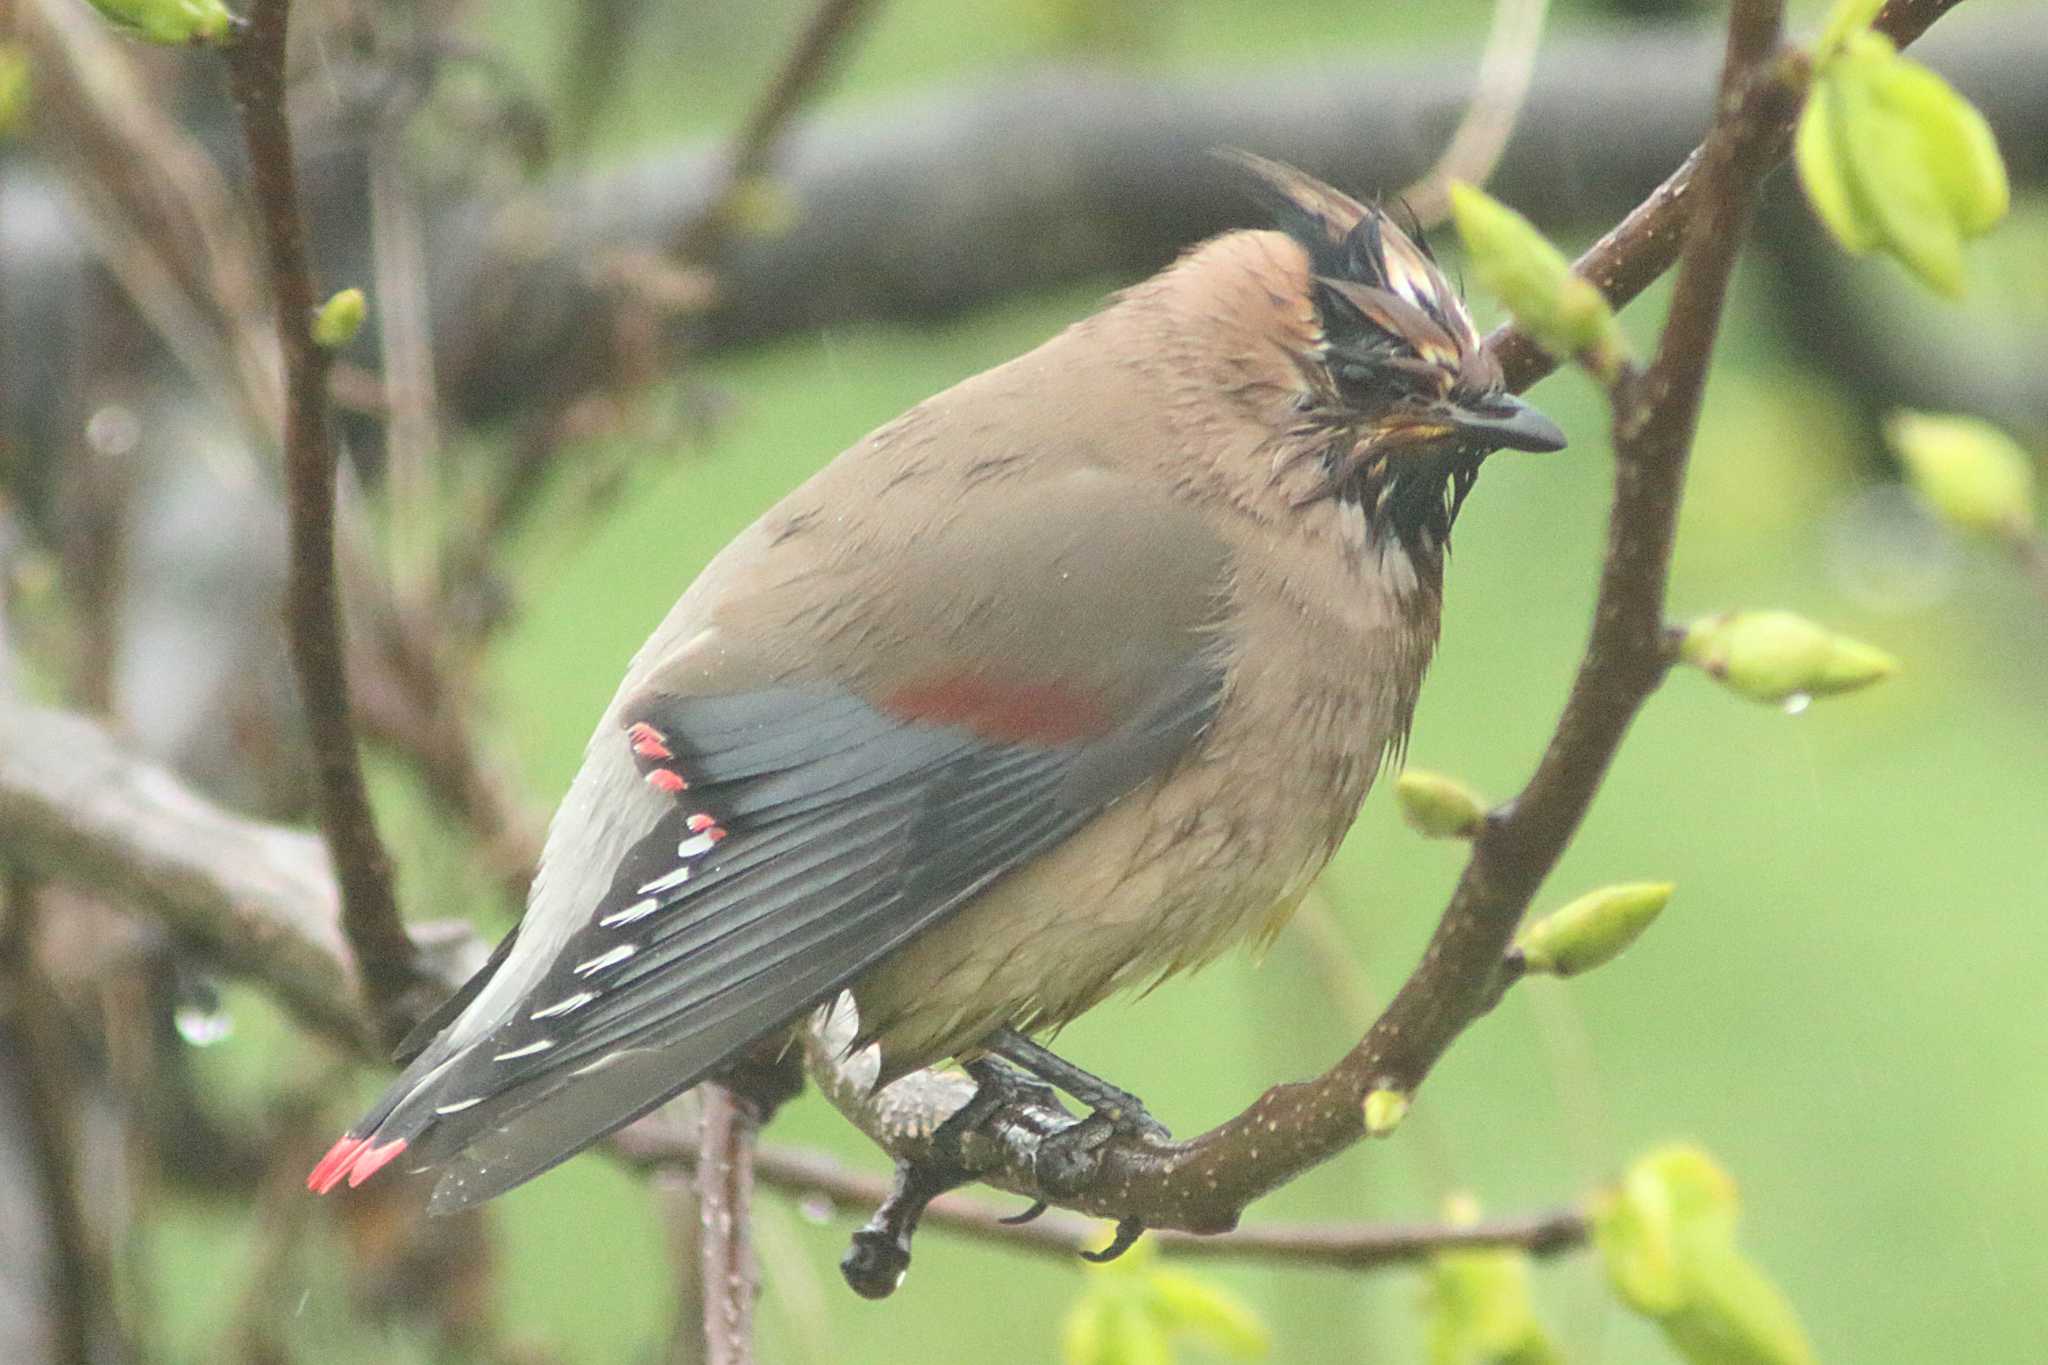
(1065, 680)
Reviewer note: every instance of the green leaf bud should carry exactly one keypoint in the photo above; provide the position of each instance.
(1561, 311)
(1593, 930)
(1775, 655)
(1439, 807)
(1384, 1110)
(336, 321)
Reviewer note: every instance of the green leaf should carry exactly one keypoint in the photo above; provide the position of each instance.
(1774, 655)
(1667, 1237)
(1890, 167)
(1734, 1315)
(1561, 311)
(1084, 1335)
(1974, 475)
(1206, 1311)
(168, 21)
(1133, 1336)
(1823, 166)
(1846, 19)
(1893, 159)
(1961, 151)
(1593, 930)
(1439, 807)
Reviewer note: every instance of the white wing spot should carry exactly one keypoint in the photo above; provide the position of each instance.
(542, 1046)
(460, 1105)
(637, 910)
(668, 883)
(696, 847)
(574, 1002)
(609, 958)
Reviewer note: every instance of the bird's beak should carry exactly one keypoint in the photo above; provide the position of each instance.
(1505, 422)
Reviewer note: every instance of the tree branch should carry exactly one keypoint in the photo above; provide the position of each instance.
(369, 908)
(810, 1175)
(725, 1197)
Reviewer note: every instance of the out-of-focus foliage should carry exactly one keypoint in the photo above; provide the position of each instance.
(15, 85)
(1479, 1307)
(1974, 476)
(1667, 1236)
(1133, 1310)
(168, 21)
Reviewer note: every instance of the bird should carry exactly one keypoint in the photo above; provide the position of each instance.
(1064, 681)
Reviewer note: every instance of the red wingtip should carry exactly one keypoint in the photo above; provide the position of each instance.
(335, 1164)
(353, 1158)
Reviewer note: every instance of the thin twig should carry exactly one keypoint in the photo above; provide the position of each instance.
(78, 1284)
(1505, 68)
(809, 1175)
(725, 1193)
(803, 71)
(369, 908)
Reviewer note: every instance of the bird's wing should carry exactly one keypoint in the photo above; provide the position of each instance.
(811, 829)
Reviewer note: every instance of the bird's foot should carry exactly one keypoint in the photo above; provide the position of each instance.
(1067, 1160)
(879, 1256)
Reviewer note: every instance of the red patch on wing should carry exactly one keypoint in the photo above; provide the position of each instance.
(1004, 712)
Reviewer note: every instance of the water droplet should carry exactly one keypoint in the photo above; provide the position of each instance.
(202, 1025)
(815, 1208)
(1797, 703)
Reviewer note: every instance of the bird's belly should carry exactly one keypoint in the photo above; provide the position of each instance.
(1163, 882)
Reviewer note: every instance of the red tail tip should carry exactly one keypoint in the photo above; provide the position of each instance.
(353, 1158)
(335, 1164)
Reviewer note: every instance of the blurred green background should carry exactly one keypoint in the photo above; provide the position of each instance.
(1843, 1002)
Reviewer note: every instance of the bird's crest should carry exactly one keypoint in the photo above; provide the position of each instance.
(1377, 290)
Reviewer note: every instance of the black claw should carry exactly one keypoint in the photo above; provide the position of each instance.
(1128, 1231)
(1038, 1206)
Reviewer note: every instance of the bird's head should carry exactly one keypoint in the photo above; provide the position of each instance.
(1398, 400)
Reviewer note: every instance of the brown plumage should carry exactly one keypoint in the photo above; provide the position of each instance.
(1067, 679)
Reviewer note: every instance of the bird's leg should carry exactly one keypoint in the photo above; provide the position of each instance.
(1124, 1113)
(1067, 1158)
(880, 1253)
